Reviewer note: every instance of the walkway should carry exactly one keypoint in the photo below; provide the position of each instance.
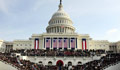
(4, 66)
(116, 67)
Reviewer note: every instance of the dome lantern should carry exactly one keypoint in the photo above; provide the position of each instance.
(60, 6)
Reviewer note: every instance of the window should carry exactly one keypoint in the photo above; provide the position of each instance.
(69, 63)
(25, 44)
(17, 45)
(79, 63)
(50, 63)
(58, 21)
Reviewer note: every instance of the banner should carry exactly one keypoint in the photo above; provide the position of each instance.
(36, 44)
(47, 42)
(84, 44)
(72, 42)
(54, 43)
(65, 42)
(60, 42)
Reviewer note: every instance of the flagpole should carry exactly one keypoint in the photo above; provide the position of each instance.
(60, 2)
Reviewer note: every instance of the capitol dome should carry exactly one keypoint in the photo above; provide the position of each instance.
(60, 22)
(60, 13)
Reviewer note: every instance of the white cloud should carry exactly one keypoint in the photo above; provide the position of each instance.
(113, 35)
(3, 6)
(37, 5)
(112, 31)
(40, 3)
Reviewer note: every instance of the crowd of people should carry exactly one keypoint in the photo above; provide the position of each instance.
(20, 64)
(104, 62)
(68, 53)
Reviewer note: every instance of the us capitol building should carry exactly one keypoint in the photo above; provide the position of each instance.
(60, 34)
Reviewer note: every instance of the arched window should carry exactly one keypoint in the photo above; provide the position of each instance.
(79, 63)
(50, 63)
(69, 63)
(40, 62)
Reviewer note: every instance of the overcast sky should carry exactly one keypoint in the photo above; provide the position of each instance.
(19, 19)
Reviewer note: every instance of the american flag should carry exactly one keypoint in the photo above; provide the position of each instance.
(60, 43)
(54, 43)
(65, 43)
(36, 44)
(72, 43)
(84, 46)
(47, 43)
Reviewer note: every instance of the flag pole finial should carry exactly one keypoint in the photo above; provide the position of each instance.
(60, 2)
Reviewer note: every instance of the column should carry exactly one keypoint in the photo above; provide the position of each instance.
(59, 29)
(56, 29)
(63, 43)
(76, 44)
(51, 46)
(69, 43)
(52, 29)
(65, 30)
(57, 43)
(47, 30)
(44, 43)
